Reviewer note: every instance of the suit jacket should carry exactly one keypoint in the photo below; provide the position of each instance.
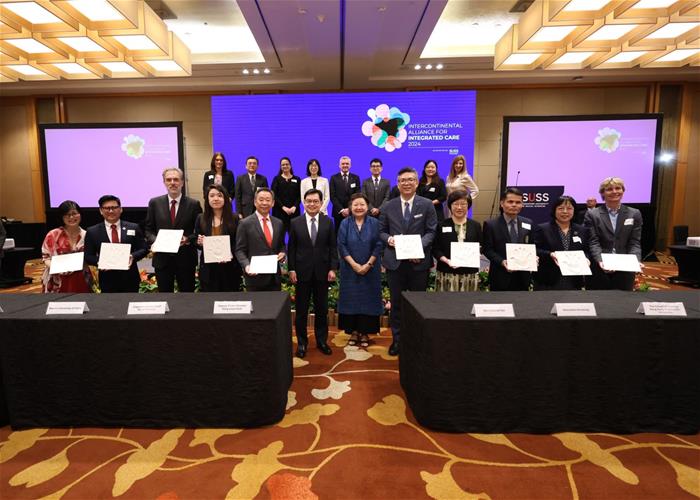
(312, 261)
(443, 243)
(495, 238)
(3, 235)
(321, 185)
(377, 197)
(250, 241)
(423, 222)
(547, 240)
(627, 237)
(340, 192)
(122, 281)
(435, 191)
(158, 217)
(227, 182)
(245, 194)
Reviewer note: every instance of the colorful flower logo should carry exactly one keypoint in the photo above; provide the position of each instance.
(134, 146)
(608, 139)
(387, 127)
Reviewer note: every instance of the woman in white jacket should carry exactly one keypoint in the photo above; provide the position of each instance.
(315, 181)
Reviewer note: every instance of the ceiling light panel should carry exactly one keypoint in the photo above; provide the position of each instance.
(678, 55)
(552, 33)
(97, 10)
(611, 32)
(32, 12)
(625, 57)
(81, 44)
(136, 42)
(585, 5)
(672, 30)
(521, 59)
(30, 46)
(71, 68)
(573, 58)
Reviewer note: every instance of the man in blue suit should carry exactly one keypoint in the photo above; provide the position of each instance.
(407, 214)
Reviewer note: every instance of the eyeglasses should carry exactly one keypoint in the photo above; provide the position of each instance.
(312, 202)
(458, 204)
(408, 181)
(110, 208)
(72, 214)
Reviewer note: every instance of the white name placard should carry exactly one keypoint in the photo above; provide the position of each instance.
(573, 309)
(233, 306)
(148, 308)
(66, 308)
(493, 311)
(662, 309)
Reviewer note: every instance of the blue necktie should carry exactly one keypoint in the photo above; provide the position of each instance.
(406, 213)
(513, 230)
(314, 231)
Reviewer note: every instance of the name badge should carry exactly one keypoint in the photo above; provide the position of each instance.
(294, 181)
(525, 225)
(493, 311)
(662, 309)
(576, 239)
(66, 308)
(353, 185)
(131, 232)
(233, 307)
(211, 176)
(629, 222)
(432, 189)
(418, 216)
(147, 308)
(447, 229)
(573, 309)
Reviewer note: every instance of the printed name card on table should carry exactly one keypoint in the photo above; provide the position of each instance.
(573, 309)
(465, 254)
(662, 309)
(147, 308)
(1, 311)
(263, 264)
(66, 263)
(573, 263)
(66, 308)
(233, 306)
(621, 262)
(493, 311)
(408, 246)
(217, 249)
(521, 257)
(167, 241)
(114, 256)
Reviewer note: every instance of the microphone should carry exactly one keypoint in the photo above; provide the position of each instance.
(516, 178)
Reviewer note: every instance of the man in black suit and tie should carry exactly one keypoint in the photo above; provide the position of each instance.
(174, 211)
(613, 228)
(312, 262)
(115, 230)
(343, 185)
(407, 214)
(261, 234)
(375, 188)
(246, 186)
(509, 227)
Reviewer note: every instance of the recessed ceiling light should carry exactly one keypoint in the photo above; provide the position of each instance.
(136, 42)
(81, 44)
(246, 72)
(672, 30)
(72, 68)
(552, 33)
(428, 66)
(417, 67)
(612, 32)
(256, 71)
(624, 57)
(32, 12)
(517, 59)
(30, 46)
(573, 58)
(439, 66)
(26, 69)
(96, 10)
(678, 55)
(266, 71)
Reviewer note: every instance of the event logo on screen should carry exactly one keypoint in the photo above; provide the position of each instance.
(608, 139)
(386, 127)
(134, 146)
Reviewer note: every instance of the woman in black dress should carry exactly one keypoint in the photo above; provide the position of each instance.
(431, 186)
(218, 174)
(286, 187)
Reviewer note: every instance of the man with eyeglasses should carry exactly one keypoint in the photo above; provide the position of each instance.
(115, 230)
(407, 214)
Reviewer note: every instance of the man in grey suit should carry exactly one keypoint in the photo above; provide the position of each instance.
(246, 186)
(376, 188)
(261, 234)
(614, 228)
(407, 214)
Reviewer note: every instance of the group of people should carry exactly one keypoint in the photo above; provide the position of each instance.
(357, 240)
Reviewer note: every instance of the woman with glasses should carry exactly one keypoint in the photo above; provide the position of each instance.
(218, 174)
(68, 238)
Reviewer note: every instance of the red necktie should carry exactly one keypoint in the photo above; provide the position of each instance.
(172, 211)
(268, 234)
(115, 235)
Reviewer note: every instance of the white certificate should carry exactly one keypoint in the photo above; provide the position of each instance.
(168, 241)
(66, 263)
(521, 257)
(114, 256)
(621, 262)
(408, 246)
(573, 263)
(263, 264)
(465, 254)
(217, 249)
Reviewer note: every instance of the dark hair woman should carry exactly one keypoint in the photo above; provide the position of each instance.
(218, 174)
(286, 187)
(432, 186)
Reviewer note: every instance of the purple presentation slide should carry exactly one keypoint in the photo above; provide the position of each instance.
(86, 163)
(401, 128)
(579, 154)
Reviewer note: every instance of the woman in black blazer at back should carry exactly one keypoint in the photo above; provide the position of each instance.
(431, 186)
(218, 174)
(561, 233)
(456, 228)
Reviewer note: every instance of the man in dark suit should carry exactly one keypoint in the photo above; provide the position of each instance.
(246, 186)
(407, 214)
(115, 230)
(312, 262)
(261, 234)
(174, 211)
(376, 188)
(509, 227)
(343, 185)
(613, 228)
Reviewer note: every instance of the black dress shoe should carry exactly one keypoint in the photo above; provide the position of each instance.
(394, 348)
(325, 349)
(301, 350)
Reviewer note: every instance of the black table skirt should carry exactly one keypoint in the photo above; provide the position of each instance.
(188, 368)
(621, 372)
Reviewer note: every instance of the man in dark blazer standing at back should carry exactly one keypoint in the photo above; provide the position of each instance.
(174, 211)
(342, 185)
(407, 214)
(376, 188)
(246, 186)
(508, 227)
(115, 230)
(261, 234)
(312, 262)
(613, 228)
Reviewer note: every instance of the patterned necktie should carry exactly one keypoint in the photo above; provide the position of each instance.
(314, 230)
(172, 211)
(376, 183)
(115, 235)
(268, 234)
(252, 181)
(345, 178)
(513, 230)
(406, 213)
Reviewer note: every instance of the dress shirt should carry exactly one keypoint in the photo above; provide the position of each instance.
(410, 203)
(612, 212)
(308, 222)
(269, 223)
(108, 226)
(177, 203)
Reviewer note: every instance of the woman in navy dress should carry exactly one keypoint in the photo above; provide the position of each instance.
(286, 187)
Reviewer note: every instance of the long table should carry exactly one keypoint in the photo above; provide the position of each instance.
(187, 368)
(619, 372)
